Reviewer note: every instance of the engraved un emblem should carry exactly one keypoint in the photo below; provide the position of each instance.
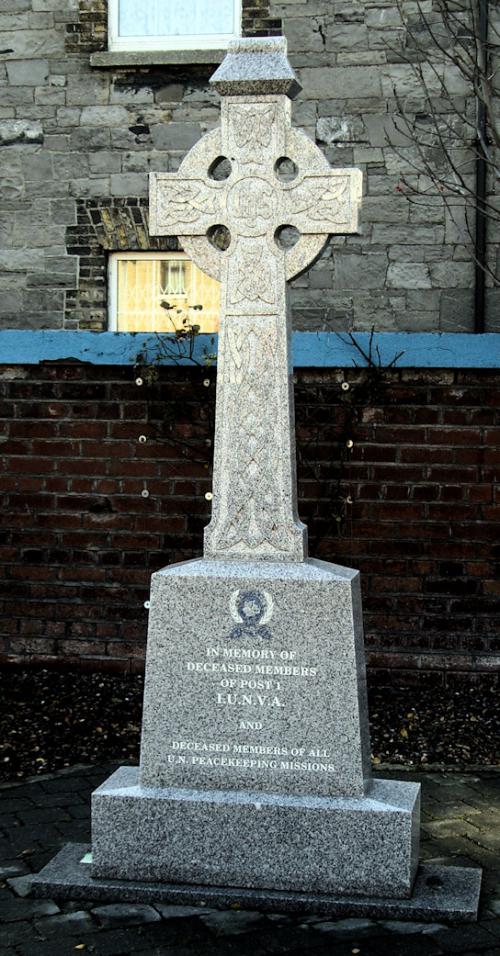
(251, 610)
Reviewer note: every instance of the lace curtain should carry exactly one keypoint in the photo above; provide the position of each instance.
(175, 17)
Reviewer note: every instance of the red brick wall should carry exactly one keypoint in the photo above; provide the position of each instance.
(79, 542)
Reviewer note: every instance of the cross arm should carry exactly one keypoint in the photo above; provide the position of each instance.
(188, 202)
(324, 202)
(183, 206)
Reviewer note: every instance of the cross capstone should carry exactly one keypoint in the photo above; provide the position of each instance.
(255, 503)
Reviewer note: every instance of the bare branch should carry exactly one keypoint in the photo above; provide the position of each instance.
(447, 138)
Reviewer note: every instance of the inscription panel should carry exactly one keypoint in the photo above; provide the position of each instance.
(247, 687)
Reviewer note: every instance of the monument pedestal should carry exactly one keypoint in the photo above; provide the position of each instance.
(255, 679)
(254, 765)
(357, 846)
(255, 788)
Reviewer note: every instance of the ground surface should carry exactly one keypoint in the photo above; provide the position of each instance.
(65, 718)
(460, 824)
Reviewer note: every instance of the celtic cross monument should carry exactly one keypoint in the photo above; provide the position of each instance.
(254, 786)
(255, 768)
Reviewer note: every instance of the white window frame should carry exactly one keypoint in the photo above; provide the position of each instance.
(114, 259)
(180, 42)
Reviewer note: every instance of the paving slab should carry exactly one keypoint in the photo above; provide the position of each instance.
(124, 913)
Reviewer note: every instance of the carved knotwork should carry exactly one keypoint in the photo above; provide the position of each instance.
(254, 509)
(254, 517)
(185, 202)
(321, 200)
(253, 278)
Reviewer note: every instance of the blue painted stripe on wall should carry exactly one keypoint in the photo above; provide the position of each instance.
(310, 349)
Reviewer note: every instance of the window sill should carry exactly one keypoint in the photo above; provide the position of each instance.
(113, 58)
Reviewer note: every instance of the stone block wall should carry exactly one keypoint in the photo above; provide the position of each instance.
(412, 269)
(398, 476)
(74, 136)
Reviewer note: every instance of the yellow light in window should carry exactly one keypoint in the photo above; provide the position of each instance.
(163, 294)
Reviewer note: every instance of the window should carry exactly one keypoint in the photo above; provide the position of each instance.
(160, 292)
(172, 24)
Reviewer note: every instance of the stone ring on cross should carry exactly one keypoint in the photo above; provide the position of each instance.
(254, 506)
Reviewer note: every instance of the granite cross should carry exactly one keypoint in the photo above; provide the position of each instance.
(254, 486)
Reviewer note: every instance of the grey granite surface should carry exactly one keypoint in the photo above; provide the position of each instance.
(254, 66)
(439, 893)
(255, 678)
(362, 846)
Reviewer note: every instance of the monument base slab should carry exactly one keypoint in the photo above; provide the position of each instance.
(356, 845)
(439, 893)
